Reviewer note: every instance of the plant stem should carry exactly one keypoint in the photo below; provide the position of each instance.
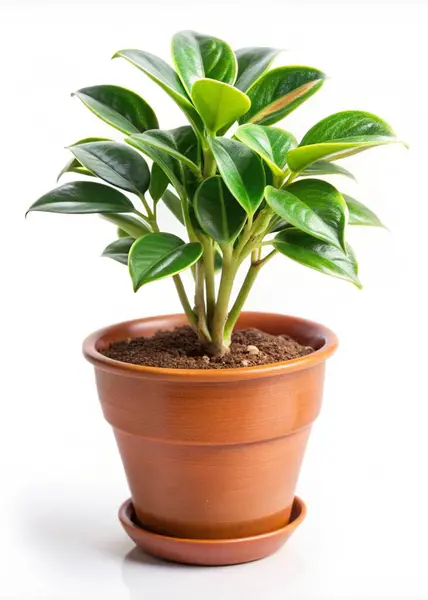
(208, 258)
(202, 328)
(230, 267)
(210, 165)
(147, 207)
(185, 301)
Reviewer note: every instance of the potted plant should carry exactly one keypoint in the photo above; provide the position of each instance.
(212, 409)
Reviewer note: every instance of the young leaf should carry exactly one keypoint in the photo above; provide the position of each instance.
(340, 135)
(270, 143)
(158, 183)
(359, 214)
(161, 73)
(219, 104)
(115, 163)
(198, 56)
(279, 92)
(158, 255)
(174, 205)
(218, 212)
(119, 107)
(81, 197)
(242, 172)
(119, 249)
(313, 206)
(73, 165)
(323, 167)
(252, 63)
(318, 255)
(132, 225)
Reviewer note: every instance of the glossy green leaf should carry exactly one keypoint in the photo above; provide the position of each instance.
(340, 135)
(218, 212)
(219, 104)
(174, 205)
(132, 225)
(270, 143)
(158, 183)
(83, 197)
(360, 214)
(313, 206)
(197, 56)
(119, 107)
(116, 163)
(279, 92)
(161, 73)
(323, 167)
(158, 255)
(242, 172)
(73, 165)
(119, 249)
(318, 255)
(252, 63)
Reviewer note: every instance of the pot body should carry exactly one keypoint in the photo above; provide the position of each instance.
(212, 454)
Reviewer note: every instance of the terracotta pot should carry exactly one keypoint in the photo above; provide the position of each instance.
(212, 454)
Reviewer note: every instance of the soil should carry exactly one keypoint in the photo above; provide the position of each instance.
(181, 349)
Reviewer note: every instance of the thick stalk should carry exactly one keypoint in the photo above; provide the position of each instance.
(230, 267)
(202, 328)
(208, 258)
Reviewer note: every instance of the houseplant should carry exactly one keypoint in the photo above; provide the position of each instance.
(212, 456)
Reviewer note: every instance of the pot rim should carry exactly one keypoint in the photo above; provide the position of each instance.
(100, 361)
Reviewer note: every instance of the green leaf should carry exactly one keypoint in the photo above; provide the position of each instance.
(242, 172)
(81, 197)
(323, 167)
(158, 255)
(318, 255)
(218, 212)
(132, 225)
(158, 183)
(271, 143)
(115, 163)
(252, 63)
(174, 205)
(359, 214)
(119, 107)
(340, 135)
(161, 73)
(171, 142)
(119, 249)
(279, 92)
(313, 206)
(219, 104)
(218, 262)
(198, 56)
(121, 233)
(73, 165)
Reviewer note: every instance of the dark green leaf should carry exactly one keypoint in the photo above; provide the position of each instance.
(340, 135)
(119, 249)
(83, 197)
(74, 166)
(318, 255)
(132, 225)
(252, 63)
(242, 172)
(119, 107)
(115, 163)
(218, 262)
(313, 206)
(219, 104)
(198, 56)
(279, 92)
(218, 212)
(174, 204)
(158, 183)
(158, 255)
(322, 167)
(270, 143)
(359, 214)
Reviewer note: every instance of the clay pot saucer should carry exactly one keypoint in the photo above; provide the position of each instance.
(210, 552)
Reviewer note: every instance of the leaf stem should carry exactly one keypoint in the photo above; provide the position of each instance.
(190, 314)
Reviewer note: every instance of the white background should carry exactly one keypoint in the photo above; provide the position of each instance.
(365, 474)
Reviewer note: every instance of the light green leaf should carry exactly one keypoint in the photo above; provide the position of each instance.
(81, 197)
(271, 143)
(158, 183)
(252, 63)
(359, 214)
(115, 163)
(340, 135)
(161, 73)
(174, 205)
(119, 107)
(318, 255)
(119, 250)
(158, 255)
(242, 172)
(218, 212)
(323, 167)
(279, 92)
(74, 166)
(197, 56)
(132, 225)
(313, 206)
(219, 104)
